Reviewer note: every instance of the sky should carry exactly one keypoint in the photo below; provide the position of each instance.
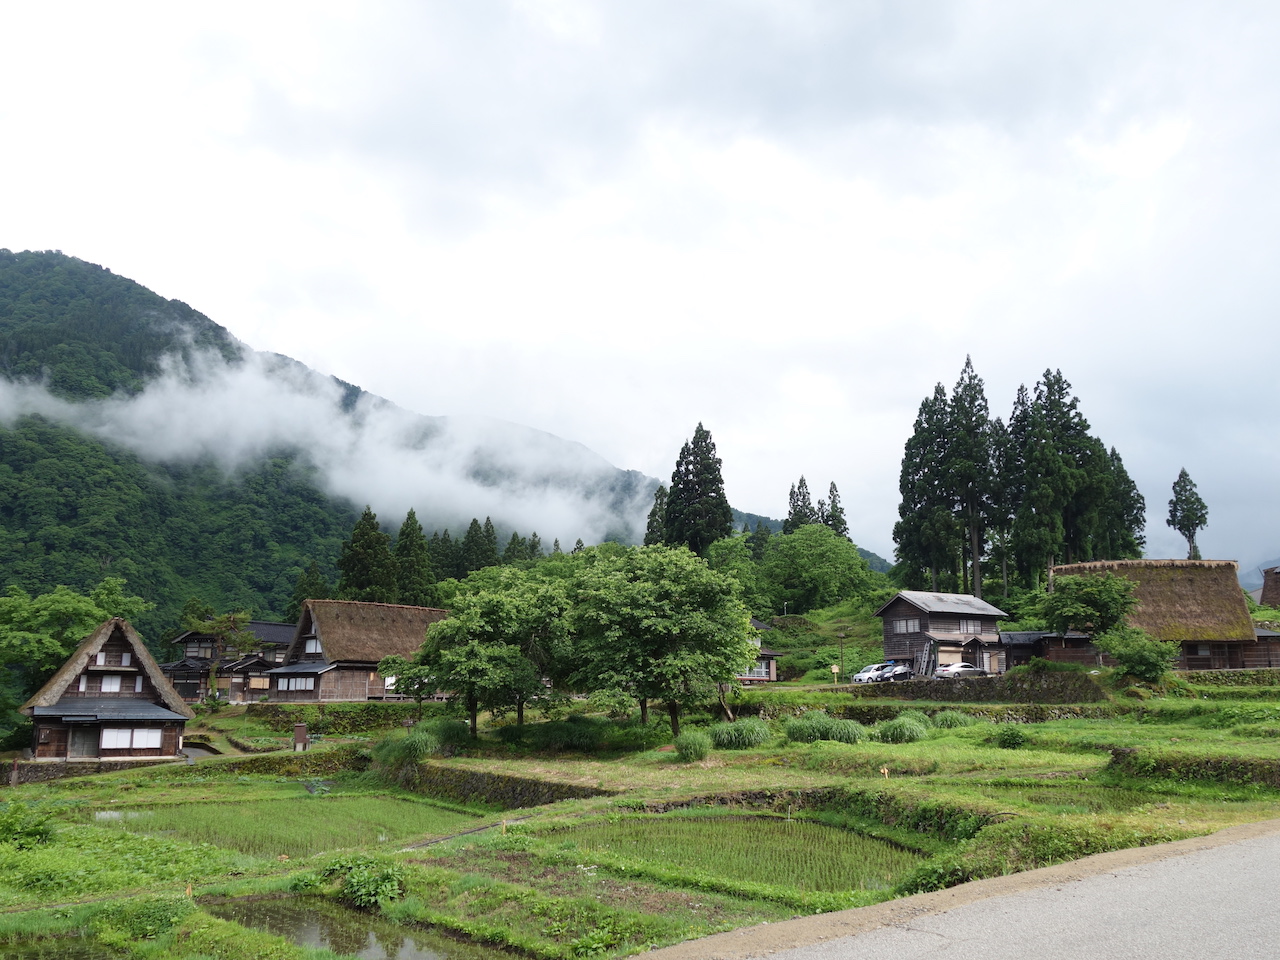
(785, 220)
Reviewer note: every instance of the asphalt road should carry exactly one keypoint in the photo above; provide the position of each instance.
(1209, 898)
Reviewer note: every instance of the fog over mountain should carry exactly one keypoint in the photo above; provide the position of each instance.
(366, 449)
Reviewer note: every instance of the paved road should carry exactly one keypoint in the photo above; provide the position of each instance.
(1209, 898)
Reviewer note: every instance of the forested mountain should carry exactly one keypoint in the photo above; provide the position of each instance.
(138, 438)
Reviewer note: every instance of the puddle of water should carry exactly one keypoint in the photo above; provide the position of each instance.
(310, 922)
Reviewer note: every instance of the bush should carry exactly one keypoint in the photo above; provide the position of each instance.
(365, 881)
(693, 745)
(741, 734)
(615, 704)
(1011, 737)
(917, 715)
(1138, 653)
(902, 729)
(142, 918)
(951, 719)
(23, 827)
(576, 733)
(815, 725)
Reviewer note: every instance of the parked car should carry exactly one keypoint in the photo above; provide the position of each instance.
(953, 671)
(893, 671)
(867, 674)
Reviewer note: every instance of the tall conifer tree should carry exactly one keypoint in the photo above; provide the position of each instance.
(698, 512)
(367, 568)
(835, 518)
(415, 577)
(1187, 512)
(656, 528)
(800, 509)
(967, 468)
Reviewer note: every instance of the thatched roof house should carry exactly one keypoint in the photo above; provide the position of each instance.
(1270, 594)
(1197, 603)
(337, 645)
(109, 700)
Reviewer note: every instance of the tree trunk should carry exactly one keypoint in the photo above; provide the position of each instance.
(975, 552)
(644, 710)
(473, 707)
(724, 703)
(520, 712)
(673, 711)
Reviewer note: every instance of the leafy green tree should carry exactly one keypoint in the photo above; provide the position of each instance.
(759, 541)
(698, 511)
(734, 556)
(1090, 604)
(415, 578)
(38, 633)
(366, 565)
(1138, 653)
(1187, 512)
(412, 678)
(656, 527)
(813, 567)
(659, 624)
(800, 510)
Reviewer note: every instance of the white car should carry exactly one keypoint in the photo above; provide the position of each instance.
(950, 671)
(866, 673)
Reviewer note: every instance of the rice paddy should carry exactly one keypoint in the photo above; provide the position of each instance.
(799, 854)
(300, 827)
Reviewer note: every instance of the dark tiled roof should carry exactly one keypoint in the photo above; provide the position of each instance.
(99, 709)
(309, 667)
(960, 603)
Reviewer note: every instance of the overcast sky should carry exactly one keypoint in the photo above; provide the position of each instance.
(786, 220)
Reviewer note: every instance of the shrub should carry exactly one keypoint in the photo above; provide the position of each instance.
(576, 733)
(902, 729)
(950, 719)
(23, 827)
(693, 745)
(1138, 653)
(365, 881)
(741, 734)
(613, 703)
(917, 715)
(815, 725)
(1011, 736)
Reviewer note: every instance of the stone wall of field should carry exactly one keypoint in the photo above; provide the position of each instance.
(42, 771)
(1167, 765)
(1053, 686)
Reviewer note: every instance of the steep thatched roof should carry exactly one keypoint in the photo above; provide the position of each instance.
(1270, 595)
(1194, 601)
(363, 632)
(51, 692)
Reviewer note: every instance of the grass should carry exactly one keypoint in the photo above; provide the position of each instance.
(605, 875)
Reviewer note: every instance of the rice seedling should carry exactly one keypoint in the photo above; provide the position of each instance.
(799, 854)
(300, 828)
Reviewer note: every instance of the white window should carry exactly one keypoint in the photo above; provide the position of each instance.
(116, 738)
(313, 645)
(137, 684)
(126, 659)
(102, 658)
(146, 738)
(907, 626)
(111, 683)
(389, 683)
(84, 683)
(298, 683)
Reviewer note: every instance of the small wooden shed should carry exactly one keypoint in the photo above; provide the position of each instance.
(110, 700)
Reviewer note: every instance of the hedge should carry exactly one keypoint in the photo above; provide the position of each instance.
(342, 718)
(494, 789)
(1048, 687)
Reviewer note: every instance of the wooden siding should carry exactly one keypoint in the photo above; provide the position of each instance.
(55, 741)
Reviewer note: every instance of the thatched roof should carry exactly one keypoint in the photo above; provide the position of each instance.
(363, 632)
(51, 692)
(1188, 601)
(1270, 595)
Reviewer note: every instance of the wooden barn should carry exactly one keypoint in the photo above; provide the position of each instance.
(108, 701)
(1195, 603)
(927, 630)
(337, 645)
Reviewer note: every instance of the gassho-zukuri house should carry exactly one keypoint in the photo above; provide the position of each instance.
(337, 645)
(109, 701)
(927, 630)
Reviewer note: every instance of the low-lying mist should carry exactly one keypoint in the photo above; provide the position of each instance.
(364, 448)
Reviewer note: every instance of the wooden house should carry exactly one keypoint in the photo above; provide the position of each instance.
(108, 701)
(337, 645)
(927, 630)
(1195, 603)
(1269, 596)
(765, 667)
(239, 677)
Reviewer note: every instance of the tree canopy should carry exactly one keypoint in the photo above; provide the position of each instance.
(698, 511)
